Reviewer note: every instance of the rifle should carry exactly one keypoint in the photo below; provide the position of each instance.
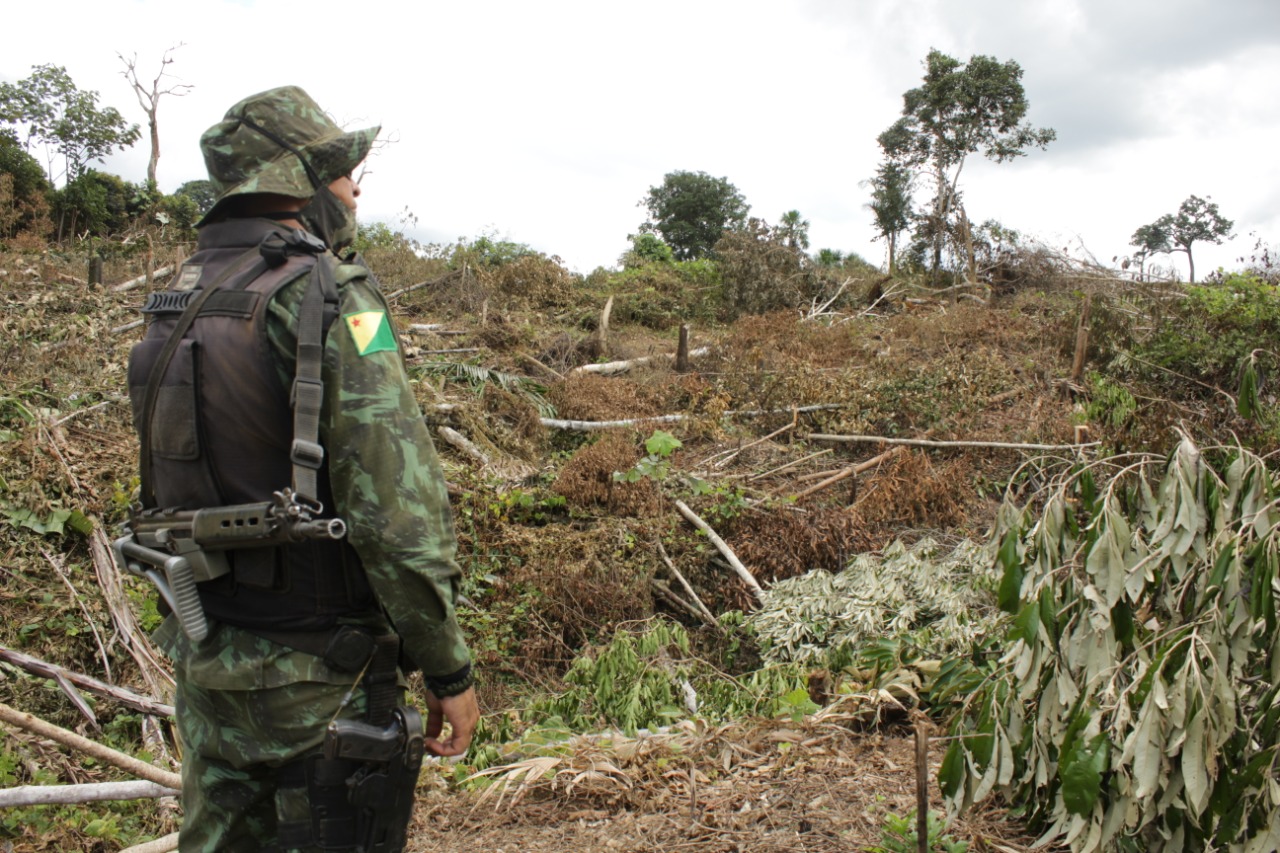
(176, 549)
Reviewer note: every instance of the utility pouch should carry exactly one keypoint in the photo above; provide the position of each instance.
(349, 649)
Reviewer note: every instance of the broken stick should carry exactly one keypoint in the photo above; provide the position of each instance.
(743, 572)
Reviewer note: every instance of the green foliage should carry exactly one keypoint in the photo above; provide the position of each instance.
(1198, 220)
(647, 678)
(1110, 403)
(1216, 329)
(201, 192)
(488, 250)
(477, 376)
(646, 248)
(661, 296)
(56, 521)
(691, 210)
(64, 120)
(728, 500)
(899, 835)
(522, 506)
(96, 203)
(23, 188)
(891, 204)
(376, 235)
(656, 464)
(1140, 696)
(793, 229)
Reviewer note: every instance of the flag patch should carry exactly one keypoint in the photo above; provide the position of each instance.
(371, 332)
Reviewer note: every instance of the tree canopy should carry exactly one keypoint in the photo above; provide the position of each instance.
(64, 120)
(891, 203)
(961, 109)
(691, 210)
(1197, 221)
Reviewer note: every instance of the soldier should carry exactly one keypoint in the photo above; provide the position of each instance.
(271, 373)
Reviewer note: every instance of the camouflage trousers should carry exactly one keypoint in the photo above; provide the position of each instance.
(233, 743)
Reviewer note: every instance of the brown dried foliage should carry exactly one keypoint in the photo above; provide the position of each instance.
(584, 582)
(586, 480)
(591, 397)
(784, 542)
(914, 494)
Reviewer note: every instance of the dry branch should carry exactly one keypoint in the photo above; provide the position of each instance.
(164, 844)
(43, 795)
(142, 279)
(793, 463)
(437, 280)
(667, 593)
(525, 357)
(624, 366)
(133, 324)
(87, 682)
(920, 442)
(777, 432)
(676, 573)
(851, 471)
(128, 763)
(461, 443)
(743, 572)
(584, 426)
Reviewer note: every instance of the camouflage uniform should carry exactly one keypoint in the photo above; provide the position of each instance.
(247, 705)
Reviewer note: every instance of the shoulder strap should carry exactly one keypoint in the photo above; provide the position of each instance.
(319, 308)
(161, 365)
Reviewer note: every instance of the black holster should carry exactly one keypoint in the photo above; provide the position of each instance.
(361, 788)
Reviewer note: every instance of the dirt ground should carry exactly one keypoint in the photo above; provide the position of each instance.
(808, 788)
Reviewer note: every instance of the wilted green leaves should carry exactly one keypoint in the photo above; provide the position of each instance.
(1139, 690)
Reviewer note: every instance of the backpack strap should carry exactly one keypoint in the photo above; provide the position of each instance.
(318, 310)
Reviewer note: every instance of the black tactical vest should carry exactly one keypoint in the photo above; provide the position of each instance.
(223, 427)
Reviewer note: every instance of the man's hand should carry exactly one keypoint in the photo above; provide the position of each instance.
(462, 712)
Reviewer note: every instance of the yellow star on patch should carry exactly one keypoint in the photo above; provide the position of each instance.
(370, 332)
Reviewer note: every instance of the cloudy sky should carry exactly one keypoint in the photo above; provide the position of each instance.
(547, 122)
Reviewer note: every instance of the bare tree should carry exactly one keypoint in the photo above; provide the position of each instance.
(149, 100)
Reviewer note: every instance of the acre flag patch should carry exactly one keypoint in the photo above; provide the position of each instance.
(370, 331)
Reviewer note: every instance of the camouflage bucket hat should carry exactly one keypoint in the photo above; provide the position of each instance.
(259, 145)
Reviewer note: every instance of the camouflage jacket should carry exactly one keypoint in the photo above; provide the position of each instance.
(387, 485)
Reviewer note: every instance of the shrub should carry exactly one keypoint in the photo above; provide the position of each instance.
(1217, 328)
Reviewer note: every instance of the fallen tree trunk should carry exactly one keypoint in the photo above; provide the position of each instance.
(142, 279)
(128, 763)
(921, 442)
(45, 795)
(624, 366)
(584, 426)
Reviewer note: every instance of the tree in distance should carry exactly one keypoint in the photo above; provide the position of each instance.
(149, 100)
(961, 109)
(200, 191)
(794, 230)
(891, 204)
(691, 210)
(64, 120)
(1197, 221)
